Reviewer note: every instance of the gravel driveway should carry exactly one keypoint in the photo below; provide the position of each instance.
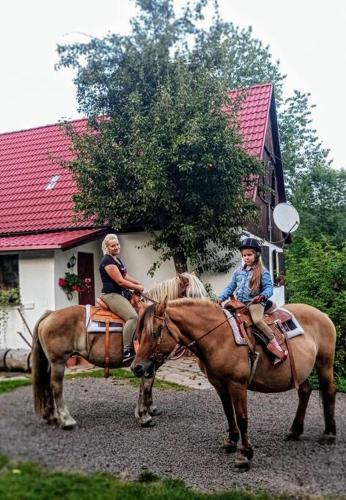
(186, 441)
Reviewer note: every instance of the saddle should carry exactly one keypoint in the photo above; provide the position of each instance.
(277, 319)
(104, 318)
(106, 322)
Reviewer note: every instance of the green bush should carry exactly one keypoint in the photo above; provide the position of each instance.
(316, 275)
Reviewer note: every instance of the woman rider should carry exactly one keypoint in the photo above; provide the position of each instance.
(115, 280)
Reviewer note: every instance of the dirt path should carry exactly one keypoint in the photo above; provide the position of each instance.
(186, 441)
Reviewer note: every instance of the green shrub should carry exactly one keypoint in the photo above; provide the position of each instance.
(316, 275)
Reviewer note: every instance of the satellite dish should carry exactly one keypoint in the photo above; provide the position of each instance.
(286, 218)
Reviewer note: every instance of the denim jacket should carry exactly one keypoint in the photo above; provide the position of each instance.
(240, 284)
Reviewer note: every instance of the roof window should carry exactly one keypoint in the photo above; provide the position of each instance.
(52, 183)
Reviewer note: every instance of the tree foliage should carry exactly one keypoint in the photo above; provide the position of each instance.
(320, 197)
(301, 148)
(166, 158)
(316, 276)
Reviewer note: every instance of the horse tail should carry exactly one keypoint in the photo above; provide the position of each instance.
(40, 372)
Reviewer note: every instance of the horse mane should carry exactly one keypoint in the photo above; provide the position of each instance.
(190, 302)
(147, 320)
(170, 289)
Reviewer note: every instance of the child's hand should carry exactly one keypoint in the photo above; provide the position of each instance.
(257, 299)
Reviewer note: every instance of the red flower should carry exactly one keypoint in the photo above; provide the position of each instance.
(62, 282)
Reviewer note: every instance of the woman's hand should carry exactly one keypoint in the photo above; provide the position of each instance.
(140, 288)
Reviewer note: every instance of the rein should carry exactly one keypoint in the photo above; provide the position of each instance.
(148, 298)
(165, 318)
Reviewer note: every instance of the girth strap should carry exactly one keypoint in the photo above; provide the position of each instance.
(293, 365)
(107, 340)
(242, 327)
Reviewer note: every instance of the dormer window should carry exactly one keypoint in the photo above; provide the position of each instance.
(51, 184)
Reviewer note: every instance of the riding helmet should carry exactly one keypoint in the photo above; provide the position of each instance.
(250, 243)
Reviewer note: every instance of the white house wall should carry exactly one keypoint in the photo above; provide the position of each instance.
(61, 259)
(138, 261)
(37, 295)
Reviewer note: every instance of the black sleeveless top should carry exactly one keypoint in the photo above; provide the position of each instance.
(109, 285)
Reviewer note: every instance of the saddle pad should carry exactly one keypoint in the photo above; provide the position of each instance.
(99, 327)
(292, 324)
(235, 329)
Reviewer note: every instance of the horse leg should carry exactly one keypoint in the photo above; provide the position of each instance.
(230, 443)
(297, 428)
(328, 392)
(62, 415)
(239, 396)
(145, 408)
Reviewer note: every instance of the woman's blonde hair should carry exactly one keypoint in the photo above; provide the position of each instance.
(105, 242)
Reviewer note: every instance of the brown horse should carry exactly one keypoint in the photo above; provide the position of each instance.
(226, 363)
(62, 333)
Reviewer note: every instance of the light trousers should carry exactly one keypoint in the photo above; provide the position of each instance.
(121, 306)
(257, 313)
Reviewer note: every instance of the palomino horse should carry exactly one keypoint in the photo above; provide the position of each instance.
(61, 333)
(201, 326)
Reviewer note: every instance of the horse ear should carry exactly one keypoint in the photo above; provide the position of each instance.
(160, 309)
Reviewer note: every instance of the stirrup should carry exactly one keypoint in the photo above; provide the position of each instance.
(279, 354)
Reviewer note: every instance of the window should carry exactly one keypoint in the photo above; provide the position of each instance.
(265, 257)
(278, 268)
(9, 275)
(51, 184)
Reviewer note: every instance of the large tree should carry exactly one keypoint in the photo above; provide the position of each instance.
(165, 158)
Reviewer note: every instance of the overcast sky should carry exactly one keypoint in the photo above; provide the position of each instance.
(307, 36)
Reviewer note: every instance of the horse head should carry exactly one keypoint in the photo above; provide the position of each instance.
(154, 345)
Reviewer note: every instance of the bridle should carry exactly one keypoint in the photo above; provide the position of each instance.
(157, 355)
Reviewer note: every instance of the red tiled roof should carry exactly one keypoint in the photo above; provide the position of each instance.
(30, 158)
(28, 161)
(254, 106)
(45, 241)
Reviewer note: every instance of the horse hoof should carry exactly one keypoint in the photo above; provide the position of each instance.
(229, 446)
(149, 423)
(292, 436)
(242, 463)
(68, 425)
(155, 412)
(327, 439)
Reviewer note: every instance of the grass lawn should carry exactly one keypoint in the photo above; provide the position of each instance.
(117, 374)
(26, 481)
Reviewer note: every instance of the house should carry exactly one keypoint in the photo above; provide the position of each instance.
(40, 238)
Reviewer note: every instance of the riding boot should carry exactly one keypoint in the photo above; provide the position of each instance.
(274, 347)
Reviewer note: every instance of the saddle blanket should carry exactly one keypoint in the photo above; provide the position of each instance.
(99, 327)
(293, 325)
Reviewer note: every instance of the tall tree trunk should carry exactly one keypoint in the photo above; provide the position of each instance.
(180, 262)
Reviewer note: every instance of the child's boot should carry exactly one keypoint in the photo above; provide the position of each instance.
(274, 347)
